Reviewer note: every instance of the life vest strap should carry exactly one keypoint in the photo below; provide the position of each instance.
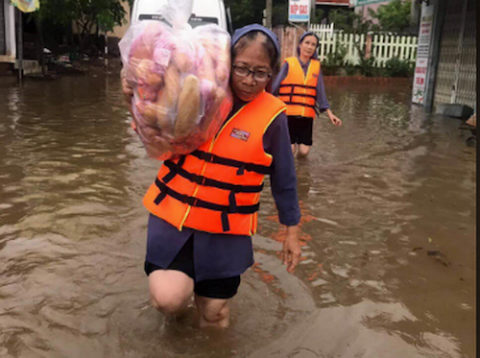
(160, 197)
(298, 86)
(301, 104)
(168, 178)
(176, 169)
(298, 95)
(192, 201)
(212, 158)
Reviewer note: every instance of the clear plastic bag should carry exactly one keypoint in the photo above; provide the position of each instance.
(180, 78)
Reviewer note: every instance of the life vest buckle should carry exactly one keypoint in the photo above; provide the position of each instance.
(208, 157)
(198, 179)
(191, 201)
(185, 199)
(241, 170)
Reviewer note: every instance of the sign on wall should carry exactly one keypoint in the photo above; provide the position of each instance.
(423, 53)
(299, 10)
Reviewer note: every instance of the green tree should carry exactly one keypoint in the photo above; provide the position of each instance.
(280, 13)
(318, 16)
(393, 17)
(86, 14)
(245, 12)
(349, 21)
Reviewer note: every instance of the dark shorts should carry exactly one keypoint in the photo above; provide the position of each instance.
(223, 288)
(301, 130)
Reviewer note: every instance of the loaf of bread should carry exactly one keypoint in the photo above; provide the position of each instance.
(188, 107)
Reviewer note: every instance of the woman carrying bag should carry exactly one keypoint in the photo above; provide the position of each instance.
(204, 206)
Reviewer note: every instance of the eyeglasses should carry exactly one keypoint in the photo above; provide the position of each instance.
(259, 76)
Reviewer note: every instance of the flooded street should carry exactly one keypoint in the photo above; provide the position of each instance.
(388, 227)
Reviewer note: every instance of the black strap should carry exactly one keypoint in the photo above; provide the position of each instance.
(168, 178)
(233, 201)
(301, 95)
(225, 221)
(299, 86)
(301, 104)
(199, 179)
(212, 158)
(190, 200)
(160, 197)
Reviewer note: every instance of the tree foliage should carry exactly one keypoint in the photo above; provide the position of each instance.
(280, 13)
(349, 21)
(318, 16)
(245, 12)
(86, 14)
(393, 17)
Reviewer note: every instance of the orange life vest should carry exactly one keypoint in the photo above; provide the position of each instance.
(299, 92)
(217, 187)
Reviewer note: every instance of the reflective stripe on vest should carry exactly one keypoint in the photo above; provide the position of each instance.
(299, 91)
(217, 187)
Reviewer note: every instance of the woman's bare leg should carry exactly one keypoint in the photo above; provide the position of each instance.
(303, 150)
(213, 312)
(170, 291)
(294, 149)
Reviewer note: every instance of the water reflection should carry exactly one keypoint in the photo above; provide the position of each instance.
(387, 231)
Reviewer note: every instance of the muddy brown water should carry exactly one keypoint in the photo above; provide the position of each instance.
(388, 227)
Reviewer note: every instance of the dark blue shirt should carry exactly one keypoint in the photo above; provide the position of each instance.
(222, 255)
(322, 102)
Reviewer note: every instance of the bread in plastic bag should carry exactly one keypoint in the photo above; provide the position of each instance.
(180, 78)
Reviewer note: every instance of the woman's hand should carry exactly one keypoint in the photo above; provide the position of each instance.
(291, 249)
(333, 118)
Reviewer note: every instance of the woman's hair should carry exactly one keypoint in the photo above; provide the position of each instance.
(268, 46)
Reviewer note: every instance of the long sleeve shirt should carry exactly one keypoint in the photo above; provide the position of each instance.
(322, 102)
(223, 255)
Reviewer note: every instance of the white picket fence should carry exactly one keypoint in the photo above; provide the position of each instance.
(381, 47)
(385, 47)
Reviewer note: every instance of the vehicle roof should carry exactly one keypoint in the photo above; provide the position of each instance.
(200, 7)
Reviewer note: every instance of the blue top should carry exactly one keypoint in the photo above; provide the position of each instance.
(322, 101)
(222, 255)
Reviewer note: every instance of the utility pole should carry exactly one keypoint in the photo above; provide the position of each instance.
(415, 10)
(268, 23)
(106, 49)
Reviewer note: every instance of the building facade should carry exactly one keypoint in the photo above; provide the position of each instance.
(456, 74)
(451, 75)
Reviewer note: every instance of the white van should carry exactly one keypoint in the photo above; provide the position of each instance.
(203, 12)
